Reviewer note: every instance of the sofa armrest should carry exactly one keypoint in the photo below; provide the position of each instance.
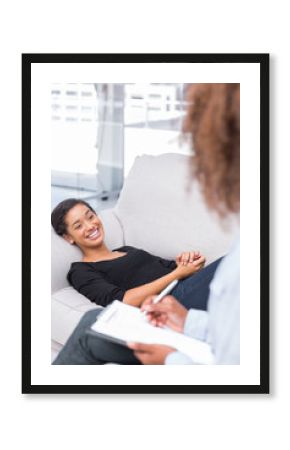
(62, 255)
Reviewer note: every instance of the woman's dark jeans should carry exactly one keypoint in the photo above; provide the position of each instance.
(193, 292)
(83, 348)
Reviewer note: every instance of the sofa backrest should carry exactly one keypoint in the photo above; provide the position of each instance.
(162, 210)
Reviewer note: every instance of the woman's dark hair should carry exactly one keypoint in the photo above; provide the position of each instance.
(213, 121)
(60, 211)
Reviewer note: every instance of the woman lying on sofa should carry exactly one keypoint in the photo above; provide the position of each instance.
(127, 274)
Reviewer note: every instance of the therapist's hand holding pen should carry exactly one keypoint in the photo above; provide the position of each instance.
(166, 312)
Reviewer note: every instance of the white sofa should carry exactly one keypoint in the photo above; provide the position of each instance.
(160, 210)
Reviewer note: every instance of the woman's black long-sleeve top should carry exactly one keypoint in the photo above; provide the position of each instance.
(105, 281)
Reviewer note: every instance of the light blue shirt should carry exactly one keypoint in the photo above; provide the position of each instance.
(220, 324)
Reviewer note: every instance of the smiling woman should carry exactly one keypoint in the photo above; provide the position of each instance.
(127, 274)
(84, 228)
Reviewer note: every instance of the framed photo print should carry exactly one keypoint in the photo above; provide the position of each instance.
(145, 223)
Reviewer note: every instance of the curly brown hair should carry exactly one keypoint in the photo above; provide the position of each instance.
(213, 121)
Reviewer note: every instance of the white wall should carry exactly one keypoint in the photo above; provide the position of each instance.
(207, 422)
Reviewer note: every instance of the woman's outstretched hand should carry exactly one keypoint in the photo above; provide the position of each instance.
(185, 258)
(183, 271)
(168, 312)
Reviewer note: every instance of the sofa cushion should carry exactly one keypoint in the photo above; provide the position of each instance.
(162, 210)
(68, 306)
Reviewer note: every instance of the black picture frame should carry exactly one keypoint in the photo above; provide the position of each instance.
(263, 61)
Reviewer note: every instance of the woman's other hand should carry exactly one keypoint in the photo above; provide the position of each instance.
(185, 258)
(168, 312)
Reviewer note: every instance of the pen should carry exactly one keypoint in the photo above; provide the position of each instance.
(162, 294)
(165, 291)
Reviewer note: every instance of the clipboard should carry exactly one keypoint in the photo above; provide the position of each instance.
(120, 323)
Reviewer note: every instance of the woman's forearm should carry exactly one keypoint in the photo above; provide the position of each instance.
(136, 296)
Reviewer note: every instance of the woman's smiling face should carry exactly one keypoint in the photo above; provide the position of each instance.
(84, 228)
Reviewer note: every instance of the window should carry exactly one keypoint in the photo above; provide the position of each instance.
(99, 129)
